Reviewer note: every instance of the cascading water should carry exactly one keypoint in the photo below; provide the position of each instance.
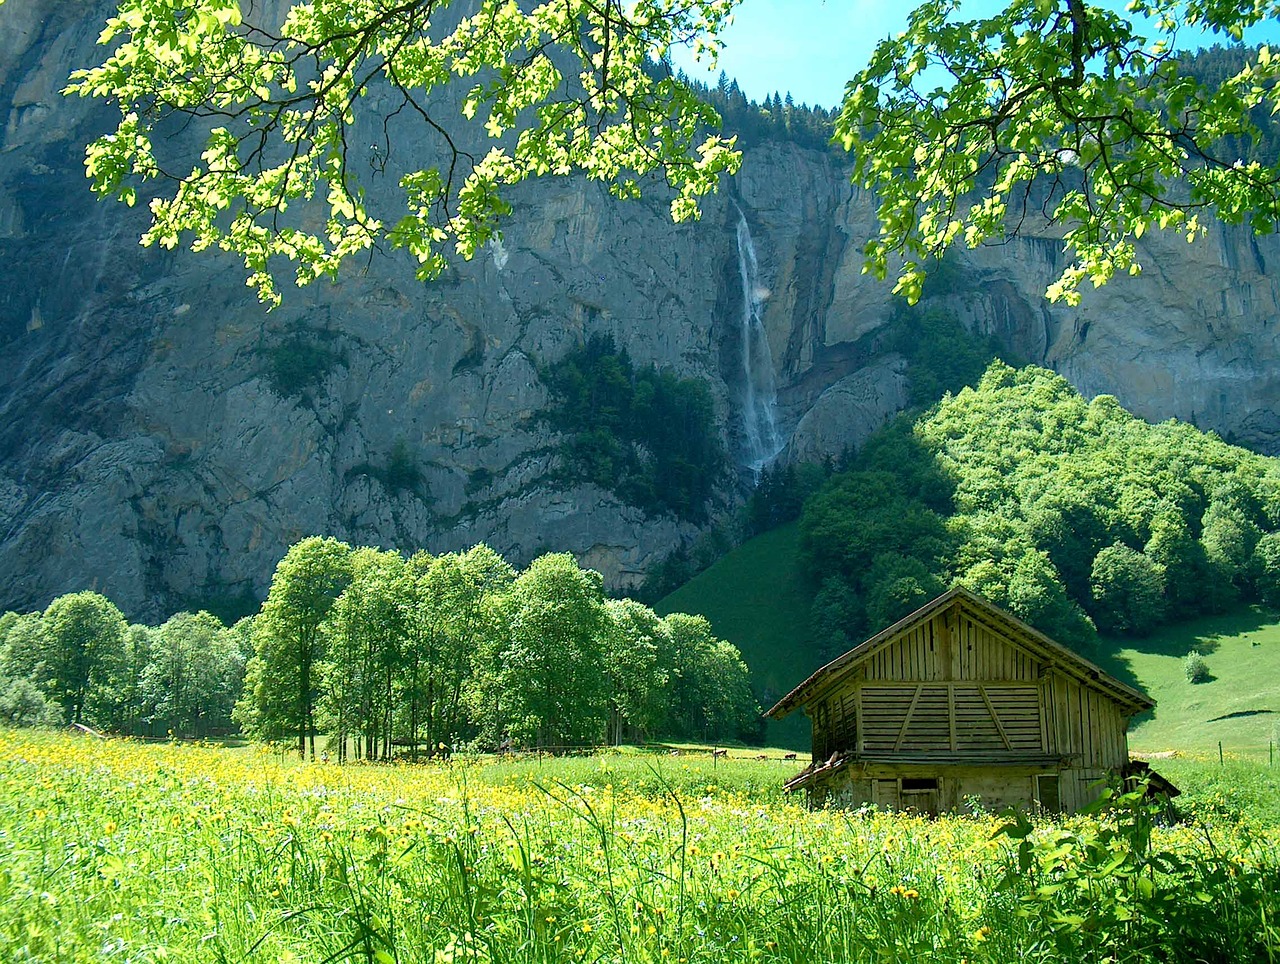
(760, 401)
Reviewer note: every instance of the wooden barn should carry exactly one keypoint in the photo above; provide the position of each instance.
(962, 700)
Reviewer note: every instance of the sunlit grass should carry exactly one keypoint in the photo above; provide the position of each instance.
(1238, 706)
(756, 598)
(117, 850)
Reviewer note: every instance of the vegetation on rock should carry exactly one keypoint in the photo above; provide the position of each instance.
(644, 434)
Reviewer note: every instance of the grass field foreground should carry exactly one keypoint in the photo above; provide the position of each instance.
(115, 850)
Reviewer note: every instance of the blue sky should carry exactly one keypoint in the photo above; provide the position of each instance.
(812, 47)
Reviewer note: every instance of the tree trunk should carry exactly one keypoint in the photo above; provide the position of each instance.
(304, 693)
(413, 714)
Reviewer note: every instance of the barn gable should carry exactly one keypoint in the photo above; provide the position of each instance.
(962, 687)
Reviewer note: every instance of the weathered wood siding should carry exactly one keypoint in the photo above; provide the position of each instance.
(951, 646)
(993, 789)
(1090, 729)
(974, 691)
(953, 684)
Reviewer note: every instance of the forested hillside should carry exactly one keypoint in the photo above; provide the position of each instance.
(1075, 515)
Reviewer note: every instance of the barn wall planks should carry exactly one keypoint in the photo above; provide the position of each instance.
(955, 684)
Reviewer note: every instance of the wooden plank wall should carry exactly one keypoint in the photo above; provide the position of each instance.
(964, 650)
(949, 674)
(1087, 726)
(885, 708)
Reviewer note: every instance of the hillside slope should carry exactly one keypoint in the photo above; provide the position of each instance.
(756, 598)
(1238, 706)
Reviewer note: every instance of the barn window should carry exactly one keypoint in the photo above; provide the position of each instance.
(919, 783)
(1047, 793)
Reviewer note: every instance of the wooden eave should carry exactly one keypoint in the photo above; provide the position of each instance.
(1156, 784)
(1020, 634)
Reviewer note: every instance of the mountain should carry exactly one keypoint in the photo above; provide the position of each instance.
(163, 439)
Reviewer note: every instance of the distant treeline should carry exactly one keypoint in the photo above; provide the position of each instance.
(387, 655)
(778, 118)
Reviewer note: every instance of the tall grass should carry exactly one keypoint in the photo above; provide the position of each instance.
(112, 850)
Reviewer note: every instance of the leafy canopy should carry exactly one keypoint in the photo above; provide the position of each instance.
(559, 87)
(1074, 117)
(1060, 112)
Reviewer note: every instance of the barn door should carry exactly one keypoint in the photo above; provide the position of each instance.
(887, 795)
(920, 795)
(1048, 794)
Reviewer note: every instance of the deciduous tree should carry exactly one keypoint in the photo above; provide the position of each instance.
(1127, 590)
(552, 676)
(84, 633)
(365, 634)
(462, 625)
(638, 661)
(1049, 110)
(288, 642)
(1061, 112)
(193, 674)
(711, 695)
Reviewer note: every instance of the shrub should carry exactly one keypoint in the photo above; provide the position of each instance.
(1266, 569)
(300, 362)
(22, 704)
(1196, 668)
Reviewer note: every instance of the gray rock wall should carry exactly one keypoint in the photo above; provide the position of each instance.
(145, 452)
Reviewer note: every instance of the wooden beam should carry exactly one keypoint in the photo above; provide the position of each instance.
(902, 733)
(1044, 691)
(995, 718)
(945, 656)
(858, 735)
(951, 715)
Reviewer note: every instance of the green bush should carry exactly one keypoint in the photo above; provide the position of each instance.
(23, 705)
(298, 363)
(1196, 668)
(1265, 566)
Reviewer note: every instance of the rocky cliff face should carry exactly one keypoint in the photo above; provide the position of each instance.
(164, 440)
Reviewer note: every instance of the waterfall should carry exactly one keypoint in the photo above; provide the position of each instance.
(760, 401)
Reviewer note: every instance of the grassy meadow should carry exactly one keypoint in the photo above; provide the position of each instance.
(1238, 706)
(119, 850)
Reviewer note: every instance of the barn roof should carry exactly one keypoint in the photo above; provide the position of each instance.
(982, 611)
